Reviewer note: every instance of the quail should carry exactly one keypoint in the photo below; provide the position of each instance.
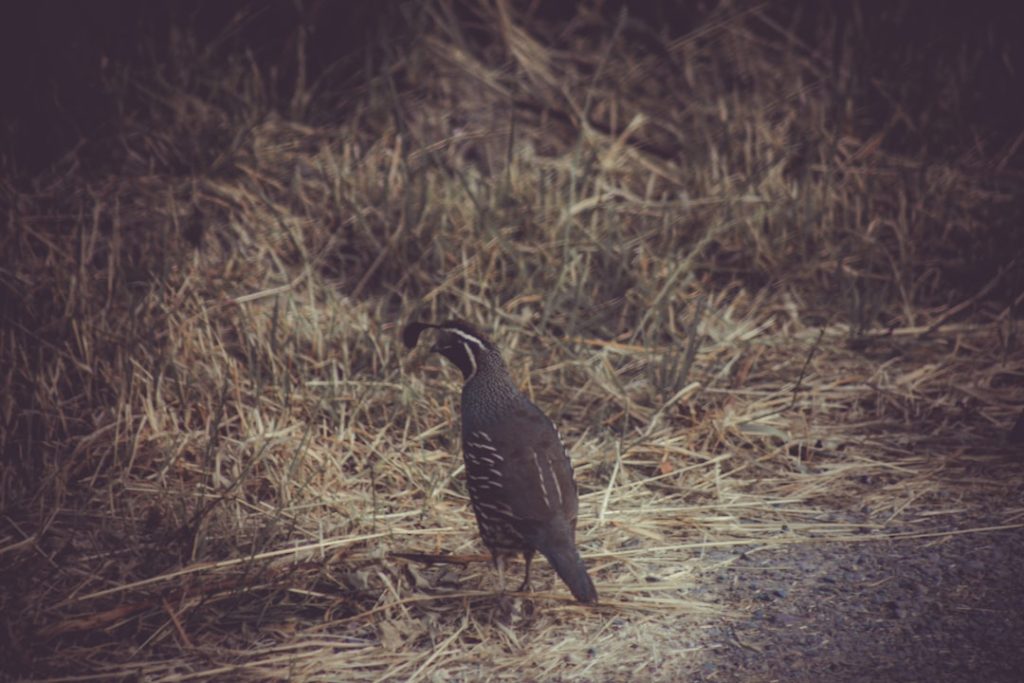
(519, 477)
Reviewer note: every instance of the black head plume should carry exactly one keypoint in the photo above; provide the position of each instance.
(411, 333)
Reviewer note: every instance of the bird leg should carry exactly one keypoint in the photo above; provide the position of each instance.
(499, 564)
(528, 558)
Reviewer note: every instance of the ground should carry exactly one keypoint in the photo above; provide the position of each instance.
(948, 609)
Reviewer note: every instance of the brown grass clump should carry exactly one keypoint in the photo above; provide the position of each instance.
(755, 321)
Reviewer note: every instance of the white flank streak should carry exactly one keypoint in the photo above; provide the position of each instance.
(468, 337)
(483, 435)
(483, 447)
(489, 459)
(558, 489)
(540, 475)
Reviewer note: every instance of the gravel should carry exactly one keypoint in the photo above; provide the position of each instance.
(944, 610)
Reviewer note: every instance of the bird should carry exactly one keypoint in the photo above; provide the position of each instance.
(518, 474)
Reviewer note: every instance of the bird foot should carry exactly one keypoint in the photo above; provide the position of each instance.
(511, 610)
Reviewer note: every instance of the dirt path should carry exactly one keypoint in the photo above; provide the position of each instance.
(947, 609)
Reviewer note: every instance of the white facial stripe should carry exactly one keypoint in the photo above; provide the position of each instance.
(472, 360)
(464, 335)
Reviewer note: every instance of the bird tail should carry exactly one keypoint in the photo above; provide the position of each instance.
(569, 566)
(557, 544)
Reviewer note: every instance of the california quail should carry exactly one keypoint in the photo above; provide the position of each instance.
(518, 474)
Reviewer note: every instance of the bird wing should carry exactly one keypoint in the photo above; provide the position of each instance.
(527, 460)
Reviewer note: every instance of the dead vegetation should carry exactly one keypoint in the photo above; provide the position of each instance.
(755, 320)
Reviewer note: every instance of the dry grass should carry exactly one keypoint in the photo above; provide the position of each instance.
(753, 325)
